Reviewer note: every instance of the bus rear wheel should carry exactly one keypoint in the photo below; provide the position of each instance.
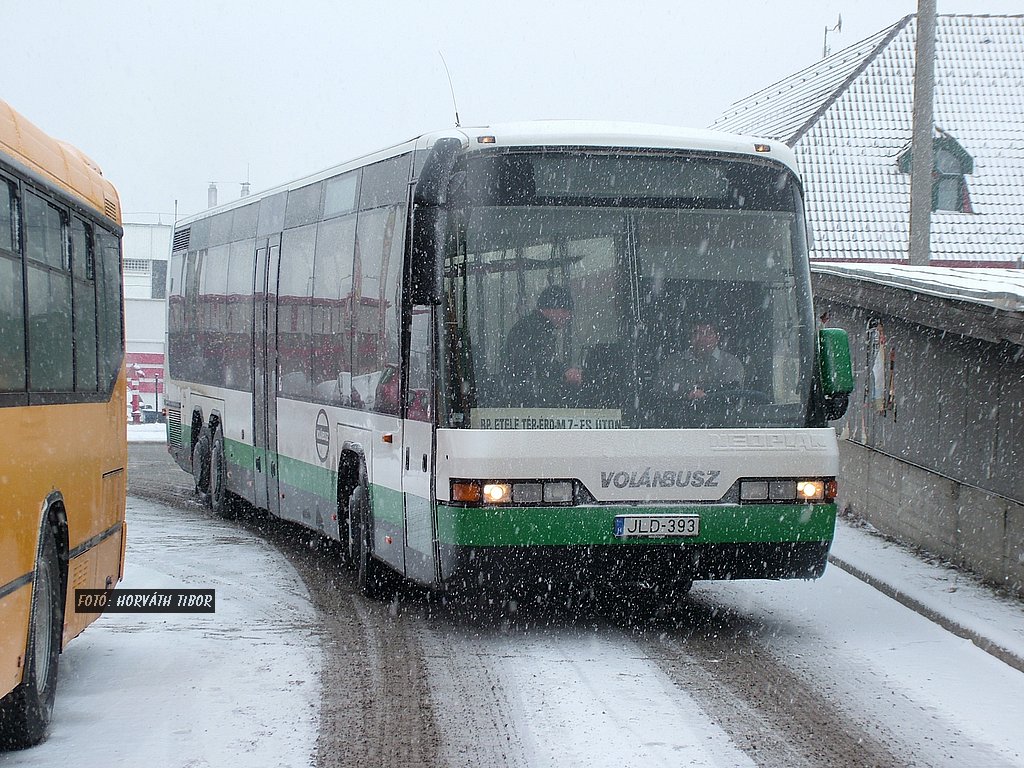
(201, 453)
(25, 712)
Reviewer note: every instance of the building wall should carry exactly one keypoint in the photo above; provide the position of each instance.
(935, 443)
(949, 403)
(976, 529)
(146, 249)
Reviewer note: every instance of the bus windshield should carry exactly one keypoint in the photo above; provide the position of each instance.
(615, 290)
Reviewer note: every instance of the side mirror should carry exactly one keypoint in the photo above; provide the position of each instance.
(836, 372)
(428, 233)
(428, 223)
(432, 184)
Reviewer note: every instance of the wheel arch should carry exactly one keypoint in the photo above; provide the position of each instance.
(54, 522)
(351, 473)
(197, 427)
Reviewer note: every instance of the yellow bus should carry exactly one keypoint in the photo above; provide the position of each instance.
(63, 447)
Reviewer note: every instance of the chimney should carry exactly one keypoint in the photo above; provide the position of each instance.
(211, 195)
(245, 189)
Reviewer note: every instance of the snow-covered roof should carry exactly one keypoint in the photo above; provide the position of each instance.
(848, 119)
(997, 288)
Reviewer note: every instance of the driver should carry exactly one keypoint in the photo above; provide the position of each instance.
(536, 375)
(704, 367)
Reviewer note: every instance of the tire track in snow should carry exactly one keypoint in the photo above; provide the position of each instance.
(375, 708)
(559, 693)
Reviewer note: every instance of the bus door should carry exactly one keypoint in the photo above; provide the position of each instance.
(264, 379)
(418, 445)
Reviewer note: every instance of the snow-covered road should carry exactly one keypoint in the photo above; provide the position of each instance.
(297, 669)
(239, 687)
(826, 673)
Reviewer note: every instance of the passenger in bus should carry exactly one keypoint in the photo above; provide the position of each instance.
(703, 368)
(535, 372)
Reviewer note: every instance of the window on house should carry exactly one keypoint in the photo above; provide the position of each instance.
(949, 187)
(950, 165)
(137, 266)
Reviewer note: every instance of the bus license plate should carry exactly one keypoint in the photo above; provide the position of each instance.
(631, 526)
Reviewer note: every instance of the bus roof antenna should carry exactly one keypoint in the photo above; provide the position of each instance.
(451, 87)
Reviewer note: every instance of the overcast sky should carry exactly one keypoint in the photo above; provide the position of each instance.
(169, 96)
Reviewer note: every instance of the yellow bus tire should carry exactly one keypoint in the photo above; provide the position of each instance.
(25, 712)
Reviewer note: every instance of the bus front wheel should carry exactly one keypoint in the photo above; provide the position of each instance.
(220, 499)
(25, 712)
(371, 574)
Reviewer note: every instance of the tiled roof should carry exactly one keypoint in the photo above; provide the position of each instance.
(848, 118)
(783, 110)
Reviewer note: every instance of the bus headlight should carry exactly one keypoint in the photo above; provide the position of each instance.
(810, 490)
(501, 492)
(528, 493)
(497, 493)
(783, 490)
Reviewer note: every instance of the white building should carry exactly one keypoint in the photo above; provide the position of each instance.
(147, 247)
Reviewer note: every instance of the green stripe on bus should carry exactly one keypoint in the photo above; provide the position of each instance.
(537, 526)
(316, 480)
(388, 505)
(242, 454)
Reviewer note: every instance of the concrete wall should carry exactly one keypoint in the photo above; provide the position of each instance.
(976, 529)
(939, 464)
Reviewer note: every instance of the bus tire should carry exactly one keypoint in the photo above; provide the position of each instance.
(25, 712)
(201, 464)
(371, 575)
(220, 498)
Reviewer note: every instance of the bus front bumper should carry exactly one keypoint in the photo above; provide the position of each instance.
(534, 544)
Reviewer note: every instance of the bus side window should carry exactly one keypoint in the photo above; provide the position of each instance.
(110, 331)
(418, 400)
(294, 307)
(333, 302)
(12, 309)
(84, 290)
(51, 367)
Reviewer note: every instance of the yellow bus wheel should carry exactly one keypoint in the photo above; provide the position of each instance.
(25, 711)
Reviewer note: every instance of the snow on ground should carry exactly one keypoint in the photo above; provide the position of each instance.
(567, 698)
(239, 687)
(598, 699)
(147, 433)
(889, 665)
(571, 696)
(950, 595)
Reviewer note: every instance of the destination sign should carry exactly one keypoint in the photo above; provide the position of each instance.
(545, 418)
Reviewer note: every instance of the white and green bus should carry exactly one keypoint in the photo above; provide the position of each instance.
(370, 352)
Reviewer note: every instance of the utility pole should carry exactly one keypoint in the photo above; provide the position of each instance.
(921, 145)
